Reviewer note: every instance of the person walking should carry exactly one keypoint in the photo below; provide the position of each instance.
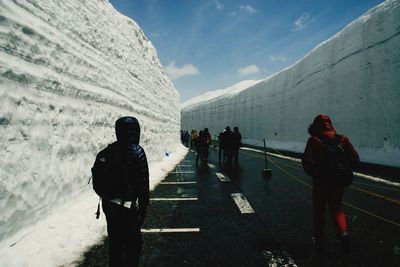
(121, 179)
(228, 145)
(193, 138)
(329, 159)
(236, 144)
(207, 143)
(221, 144)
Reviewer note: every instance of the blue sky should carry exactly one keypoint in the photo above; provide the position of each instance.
(207, 44)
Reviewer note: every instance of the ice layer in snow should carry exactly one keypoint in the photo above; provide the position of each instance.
(68, 70)
(352, 77)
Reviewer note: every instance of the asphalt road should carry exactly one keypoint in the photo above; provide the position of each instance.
(221, 215)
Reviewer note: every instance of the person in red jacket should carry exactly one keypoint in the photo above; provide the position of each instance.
(328, 187)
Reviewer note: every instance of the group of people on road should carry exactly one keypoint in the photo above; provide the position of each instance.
(229, 144)
(121, 179)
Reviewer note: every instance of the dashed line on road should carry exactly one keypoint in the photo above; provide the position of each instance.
(171, 230)
(222, 177)
(242, 203)
(211, 165)
(174, 199)
(344, 202)
(178, 183)
(278, 258)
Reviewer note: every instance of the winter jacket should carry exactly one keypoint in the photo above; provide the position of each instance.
(315, 159)
(126, 164)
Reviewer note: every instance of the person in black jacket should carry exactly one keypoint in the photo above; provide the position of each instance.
(236, 144)
(127, 184)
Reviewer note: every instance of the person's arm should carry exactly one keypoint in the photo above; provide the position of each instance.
(351, 152)
(308, 160)
(143, 193)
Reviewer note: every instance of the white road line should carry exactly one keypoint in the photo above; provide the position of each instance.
(242, 203)
(178, 183)
(278, 258)
(222, 177)
(171, 230)
(174, 199)
(211, 165)
(183, 172)
(361, 175)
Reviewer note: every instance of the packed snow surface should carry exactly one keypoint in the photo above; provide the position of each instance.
(353, 77)
(68, 70)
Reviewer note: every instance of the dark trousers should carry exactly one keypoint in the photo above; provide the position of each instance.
(235, 155)
(125, 239)
(331, 196)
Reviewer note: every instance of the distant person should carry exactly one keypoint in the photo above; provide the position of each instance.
(221, 145)
(228, 145)
(121, 179)
(236, 144)
(207, 143)
(186, 138)
(201, 143)
(183, 137)
(329, 159)
(193, 137)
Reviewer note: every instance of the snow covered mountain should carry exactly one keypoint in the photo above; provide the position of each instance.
(353, 77)
(68, 70)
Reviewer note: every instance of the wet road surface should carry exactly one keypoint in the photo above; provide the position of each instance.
(222, 215)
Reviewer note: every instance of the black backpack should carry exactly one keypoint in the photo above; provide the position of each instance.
(106, 175)
(339, 162)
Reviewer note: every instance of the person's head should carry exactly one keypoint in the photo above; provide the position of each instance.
(228, 129)
(206, 130)
(127, 130)
(236, 129)
(322, 125)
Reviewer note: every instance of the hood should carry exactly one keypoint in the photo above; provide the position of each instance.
(127, 130)
(322, 127)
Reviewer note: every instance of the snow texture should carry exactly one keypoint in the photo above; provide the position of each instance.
(352, 77)
(68, 70)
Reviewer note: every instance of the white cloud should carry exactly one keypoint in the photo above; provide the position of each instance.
(252, 69)
(175, 72)
(219, 5)
(303, 21)
(248, 8)
(274, 58)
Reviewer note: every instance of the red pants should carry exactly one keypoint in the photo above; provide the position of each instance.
(332, 195)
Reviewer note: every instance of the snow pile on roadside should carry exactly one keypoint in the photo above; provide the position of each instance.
(61, 238)
(353, 77)
(68, 70)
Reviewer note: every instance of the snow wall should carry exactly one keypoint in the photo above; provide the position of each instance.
(68, 70)
(354, 77)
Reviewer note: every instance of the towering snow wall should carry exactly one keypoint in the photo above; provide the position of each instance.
(354, 77)
(68, 70)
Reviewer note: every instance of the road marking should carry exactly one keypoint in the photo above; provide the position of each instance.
(222, 177)
(298, 161)
(278, 258)
(376, 195)
(174, 199)
(211, 165)
(344, 202)
(177, 182)
(171, 230)
(182, 172)
(395, 201)
(242, 203)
